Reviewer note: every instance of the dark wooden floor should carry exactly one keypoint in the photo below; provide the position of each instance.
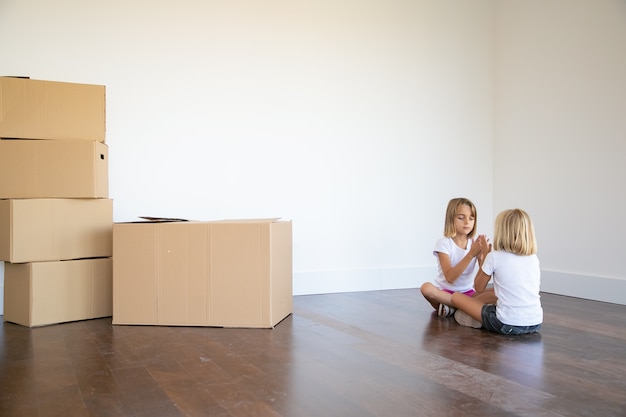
(379, 353)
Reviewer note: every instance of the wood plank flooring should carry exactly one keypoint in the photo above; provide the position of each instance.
(379, 353)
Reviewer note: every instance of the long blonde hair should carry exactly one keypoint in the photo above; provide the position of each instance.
(448, 229)
(514, 232)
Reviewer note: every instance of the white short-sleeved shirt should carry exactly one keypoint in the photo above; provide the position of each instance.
(465, 281)
(516, 281)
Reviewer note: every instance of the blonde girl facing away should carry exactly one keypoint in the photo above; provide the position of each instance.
(457, 253)
(514, 267)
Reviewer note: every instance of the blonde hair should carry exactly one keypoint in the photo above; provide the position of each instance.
(453, 205)
(514, 232)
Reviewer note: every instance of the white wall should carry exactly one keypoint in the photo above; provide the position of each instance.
(560, 145)
(358, 120)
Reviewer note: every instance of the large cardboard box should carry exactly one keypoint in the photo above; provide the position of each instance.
(53, 169)
(228, 273)
(49, 229)
(36, 109)
(42, 293)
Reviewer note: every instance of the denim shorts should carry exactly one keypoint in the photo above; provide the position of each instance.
(491, 323)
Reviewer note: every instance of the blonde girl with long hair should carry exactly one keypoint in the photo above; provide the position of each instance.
(458, 252)
(514, 267)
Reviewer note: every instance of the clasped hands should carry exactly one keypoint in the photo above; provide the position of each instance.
(481, 247)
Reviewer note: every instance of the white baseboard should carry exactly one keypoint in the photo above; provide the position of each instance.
(326, 282)
(610, 290)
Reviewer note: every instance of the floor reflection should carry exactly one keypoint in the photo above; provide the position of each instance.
(518, 358)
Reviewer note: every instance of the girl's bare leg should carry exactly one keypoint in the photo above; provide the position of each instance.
(486, 297)
(435, 296)
(471, 306)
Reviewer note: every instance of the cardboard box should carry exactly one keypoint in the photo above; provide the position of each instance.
(226, 274)
(42, 293)
(53, 169)
(48, 229)
(35, 109)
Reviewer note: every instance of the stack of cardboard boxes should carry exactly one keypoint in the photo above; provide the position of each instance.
(65, 259)
(56, 218)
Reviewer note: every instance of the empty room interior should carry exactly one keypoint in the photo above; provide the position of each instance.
(342, 128)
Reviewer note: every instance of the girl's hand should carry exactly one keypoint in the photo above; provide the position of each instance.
(486, 248)
(480, 245)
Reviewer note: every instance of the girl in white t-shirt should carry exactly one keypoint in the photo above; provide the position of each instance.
(457, 253)
(514, 267)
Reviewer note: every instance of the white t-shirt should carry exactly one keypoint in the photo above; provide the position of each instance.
(465, 281)
(516, 281)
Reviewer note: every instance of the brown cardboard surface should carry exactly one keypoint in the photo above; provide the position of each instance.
(235, 273)
(49, 229)
(36, 109)
(43, 293)
(53, 169)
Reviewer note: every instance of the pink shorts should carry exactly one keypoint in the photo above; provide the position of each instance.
(469, 293)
